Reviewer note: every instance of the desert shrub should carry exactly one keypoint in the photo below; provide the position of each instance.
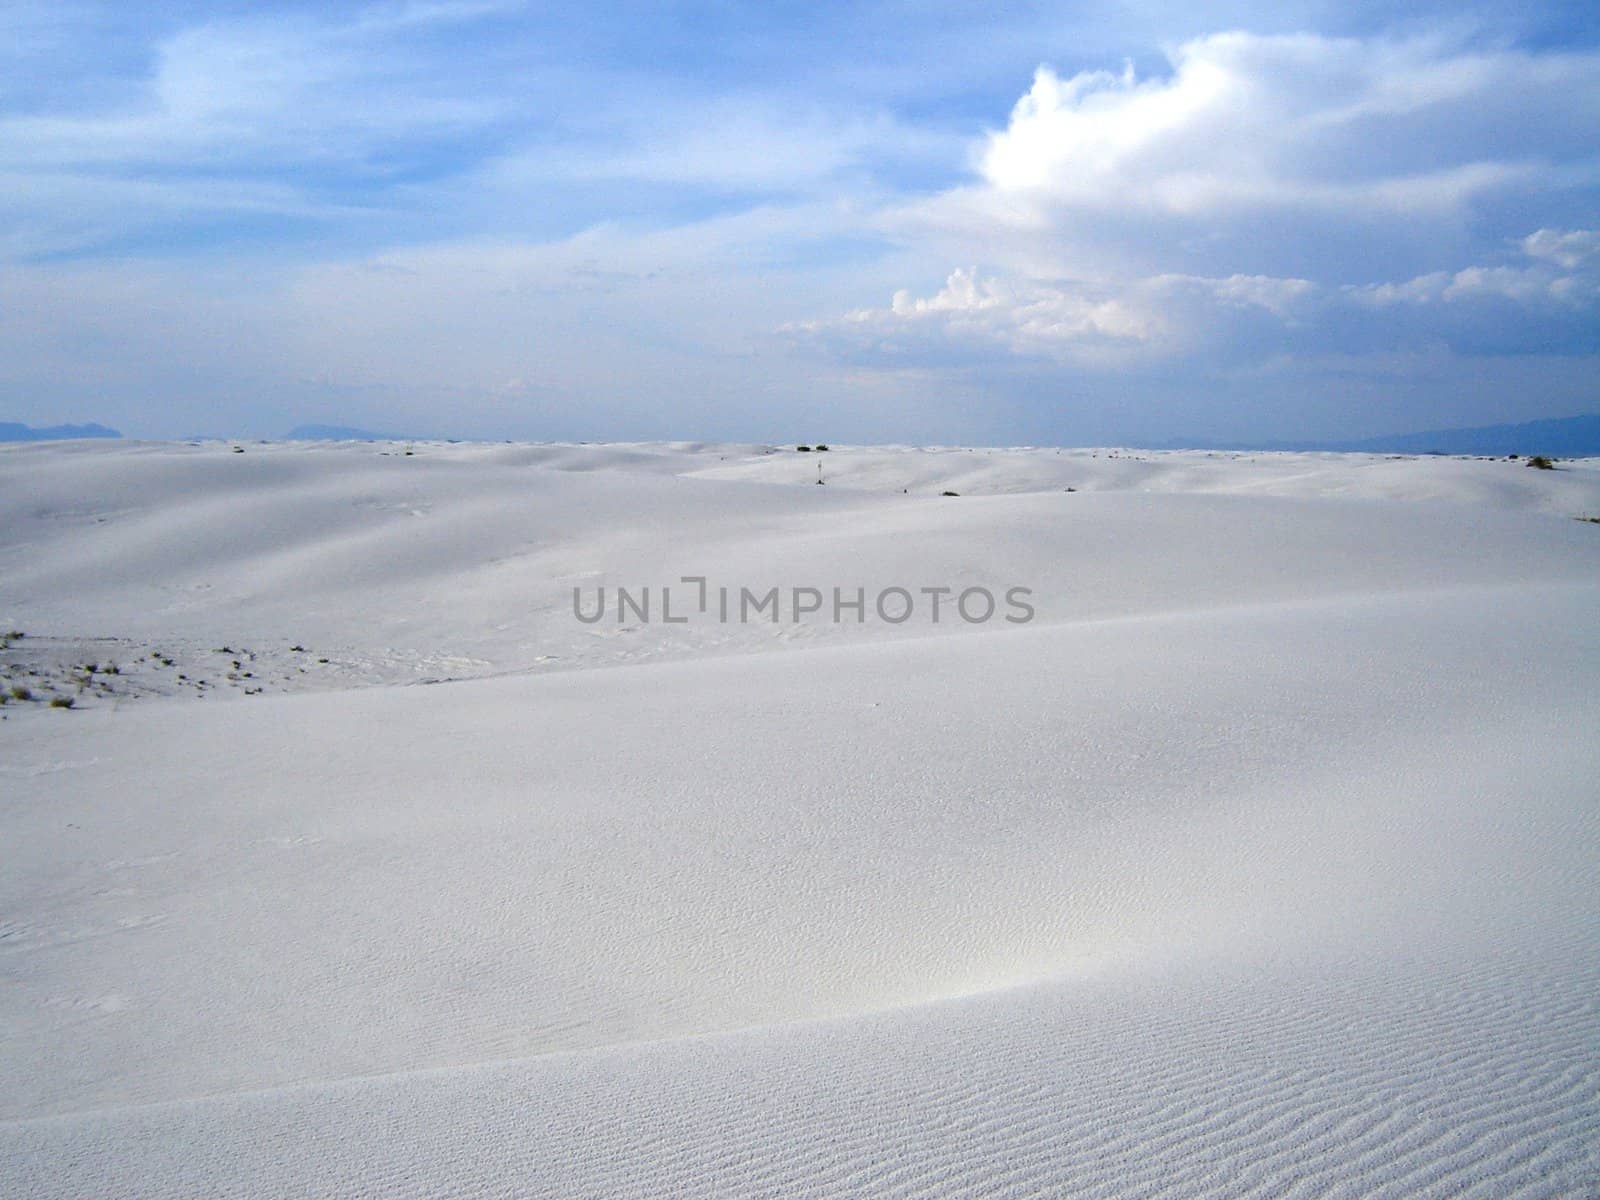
(821, 446)
(61, 701)
(803, 449)
(21, 693)
(1541, 462)
(950, 493)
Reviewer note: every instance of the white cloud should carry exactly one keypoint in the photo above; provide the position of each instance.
(1249, 122)
(318, 116)
(739, 142)
(1499, 309)
(1565, 274)
(1565, 248)
(1103, 324)
(267, 92)
(248, 118)
(1290, 155)
(1267, 196)
(1029, 316)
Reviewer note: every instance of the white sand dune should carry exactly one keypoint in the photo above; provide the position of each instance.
(462, 560)
(1261, 863)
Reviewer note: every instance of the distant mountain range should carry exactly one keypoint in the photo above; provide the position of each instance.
(12, 432)
(1565, 437)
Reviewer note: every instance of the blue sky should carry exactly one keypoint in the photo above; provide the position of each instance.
(924, 222)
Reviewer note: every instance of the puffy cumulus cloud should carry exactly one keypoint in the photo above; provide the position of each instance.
(1299, 197)
(1549, 305)
(974, 317)
(1564, 275)
(1540, 307)
(1282, 155)
(1246, 121)
(1569, 249)
(1021, 317)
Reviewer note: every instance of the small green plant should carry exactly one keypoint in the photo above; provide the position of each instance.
(1542, 462)
(821, 446)
(61, 701)
(21, 693)
(803, 449)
